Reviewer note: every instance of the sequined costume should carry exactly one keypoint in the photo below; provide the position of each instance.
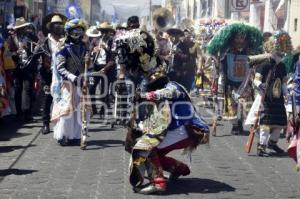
(170, 123)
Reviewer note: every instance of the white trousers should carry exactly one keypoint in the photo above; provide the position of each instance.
(267, 134)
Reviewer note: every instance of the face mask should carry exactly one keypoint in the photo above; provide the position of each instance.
(133, 26)
(76, 34)
(21, 32)
(57, 28)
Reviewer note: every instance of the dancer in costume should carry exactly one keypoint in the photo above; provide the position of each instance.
(293, 109)
(205, 31)
(9, 69)
(232, 44)
(189, 68)
(69, 65)
(105, 63)
(270, 80)
(171, 124)
(26, 69)
(130, 60)
(47, 51)
(94, 36)
(179, 57)
(4, 100)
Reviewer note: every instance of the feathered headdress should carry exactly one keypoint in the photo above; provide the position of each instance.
(290, 61)
(279, 42)
(224, 37)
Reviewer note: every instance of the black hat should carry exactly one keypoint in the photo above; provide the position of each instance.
(133, 19)
(175, 32)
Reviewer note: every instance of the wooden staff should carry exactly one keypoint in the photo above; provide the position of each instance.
(84, 115)
(215, 118)
(253, 128)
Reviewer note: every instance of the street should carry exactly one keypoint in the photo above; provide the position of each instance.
(33, 165)
(66, 59)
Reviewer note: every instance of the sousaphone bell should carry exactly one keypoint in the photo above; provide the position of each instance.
(163, 19)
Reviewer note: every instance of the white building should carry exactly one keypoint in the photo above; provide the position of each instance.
(293, 21)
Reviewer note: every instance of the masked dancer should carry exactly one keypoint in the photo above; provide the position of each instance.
(232, 45)
(47, 50)
(66, 84)
(271, 81)
(163, 130)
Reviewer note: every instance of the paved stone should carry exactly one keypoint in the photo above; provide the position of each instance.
(219, 170)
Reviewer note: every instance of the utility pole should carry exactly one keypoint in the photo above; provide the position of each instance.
(288, 16)
(270, 22)
(150, 13)
(178, 14)
(254, 17)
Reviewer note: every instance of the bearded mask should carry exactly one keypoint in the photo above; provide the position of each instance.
(239, 42)
(57, 29)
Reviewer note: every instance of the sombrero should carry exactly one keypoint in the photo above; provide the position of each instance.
(105, 26)
(93, 32)
(20, 23)
(48, 20)
(175, 31)
(121, 26)
(54, 19)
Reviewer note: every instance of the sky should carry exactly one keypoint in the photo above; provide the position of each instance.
(142, 5)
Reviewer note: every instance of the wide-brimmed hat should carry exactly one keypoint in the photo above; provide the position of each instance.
(175, 32)
(105, 26)
(75, 23)
(121, 26)
(20, 23)
(52, 18)
(93, 32)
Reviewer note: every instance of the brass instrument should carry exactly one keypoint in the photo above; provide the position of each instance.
(36, 48)
(258, 59)
(22, 44)
(173, 50)
(98, 52)
(163, 19)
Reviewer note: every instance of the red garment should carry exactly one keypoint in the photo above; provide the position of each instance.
(3, 89)
(292, 149)
(160, 160)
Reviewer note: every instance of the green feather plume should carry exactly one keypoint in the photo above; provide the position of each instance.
(290, 60)
(224, 37)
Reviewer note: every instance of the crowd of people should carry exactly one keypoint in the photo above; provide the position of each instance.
(233, 64)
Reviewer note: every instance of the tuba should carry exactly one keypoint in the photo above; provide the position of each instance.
(258, 59)
(163, 19)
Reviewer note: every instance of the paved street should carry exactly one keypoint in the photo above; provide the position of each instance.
(35, 166)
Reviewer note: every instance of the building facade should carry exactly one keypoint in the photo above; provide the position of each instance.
(293, 21)
(6, 12)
